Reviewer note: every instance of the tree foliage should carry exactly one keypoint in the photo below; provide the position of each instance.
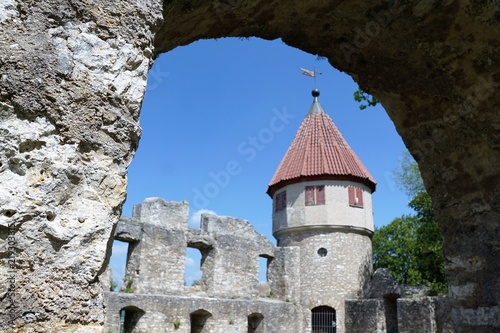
(411, 246)
(362, 97)
(408, 177)
(395, 247)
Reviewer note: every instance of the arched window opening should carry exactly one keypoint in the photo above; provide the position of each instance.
(324, 320)
(129, 318)
(255, 324)
(199, 320)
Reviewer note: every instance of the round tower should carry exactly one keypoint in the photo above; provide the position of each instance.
(322, 204)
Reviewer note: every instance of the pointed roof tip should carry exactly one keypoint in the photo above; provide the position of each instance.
(315, 108)
(319, 151)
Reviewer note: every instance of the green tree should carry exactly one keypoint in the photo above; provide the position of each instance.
(429, 244)
(362, 97)
(112, 284)
(411, 246)
(395, 247)
(407, 176)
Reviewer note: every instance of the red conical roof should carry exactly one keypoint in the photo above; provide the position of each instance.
(319, 151)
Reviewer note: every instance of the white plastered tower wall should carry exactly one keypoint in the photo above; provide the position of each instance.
(322, 206)
(335, 212)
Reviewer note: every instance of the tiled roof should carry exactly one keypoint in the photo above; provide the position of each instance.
(319, 151)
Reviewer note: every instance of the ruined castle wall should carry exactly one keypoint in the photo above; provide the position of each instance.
(230, 286)
(401, 315)
(284, 274)
(366, 315)
(226, 315)
(235, 260)
(158, 237)
(156, 259)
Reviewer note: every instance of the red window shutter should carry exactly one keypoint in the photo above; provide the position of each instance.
(309, 195)
(359, 196)
(352, 199)
(280, 201)
(320, 195)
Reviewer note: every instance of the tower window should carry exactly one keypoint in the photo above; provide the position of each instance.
(322, 252)
(280, 201)
(355, 196)
(315, 195)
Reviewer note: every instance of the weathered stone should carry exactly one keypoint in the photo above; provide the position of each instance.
(383, 284)
(229, 289)
(72, 80)
(159, 313)
(416, 315)
(366, 315)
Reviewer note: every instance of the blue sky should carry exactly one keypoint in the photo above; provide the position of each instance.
(219, 115)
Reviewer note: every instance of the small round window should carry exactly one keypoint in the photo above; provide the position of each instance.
(322, 252)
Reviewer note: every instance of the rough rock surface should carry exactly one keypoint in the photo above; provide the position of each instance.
(73, 75)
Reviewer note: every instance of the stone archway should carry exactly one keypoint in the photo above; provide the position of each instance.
(72, 81)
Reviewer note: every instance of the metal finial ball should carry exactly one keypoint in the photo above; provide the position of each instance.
(315, 93)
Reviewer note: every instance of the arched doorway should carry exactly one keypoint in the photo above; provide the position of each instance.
(324, 320)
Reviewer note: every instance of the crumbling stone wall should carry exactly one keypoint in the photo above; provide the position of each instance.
(226, 315)
(230, 291)
(158, 236)
(392, 308)
(72, 80)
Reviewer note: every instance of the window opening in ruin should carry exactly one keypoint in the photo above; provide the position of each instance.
(192, 267)
(129, 318)
(264, 262)
(199, 320)
(255, 324)
(118, 263)
(391, 313)
(324, 320)
(322, 252)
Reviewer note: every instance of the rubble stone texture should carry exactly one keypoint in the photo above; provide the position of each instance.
(229, 289)
(73, 75)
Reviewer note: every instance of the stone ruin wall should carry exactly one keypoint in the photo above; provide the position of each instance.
(230, 294)
(73, 75)
(158, 235)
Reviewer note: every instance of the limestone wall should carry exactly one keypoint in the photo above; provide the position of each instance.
(158, 236)
(224, 315)
(402, 315)
(343, 272)
(230, 294)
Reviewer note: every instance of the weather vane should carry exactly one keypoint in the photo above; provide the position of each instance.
(311, 73)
